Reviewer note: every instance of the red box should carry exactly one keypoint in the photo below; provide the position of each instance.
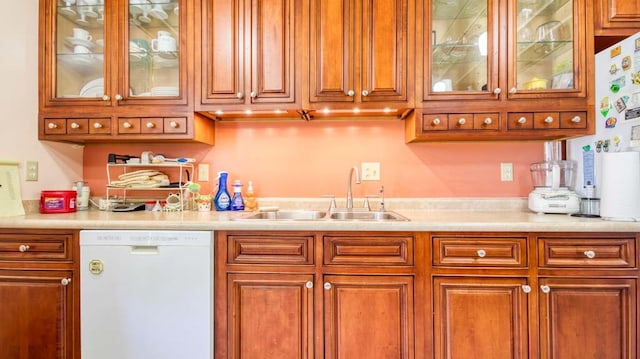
(58, 201)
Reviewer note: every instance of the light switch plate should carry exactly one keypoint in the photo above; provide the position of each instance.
(203, 172)
(371, 171)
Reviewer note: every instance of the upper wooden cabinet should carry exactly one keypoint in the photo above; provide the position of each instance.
(617, 17)
(249, 60)
(360, 57)
(101, 62)
(487, 66)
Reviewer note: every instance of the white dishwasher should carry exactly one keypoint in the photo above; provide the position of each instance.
(146, 294)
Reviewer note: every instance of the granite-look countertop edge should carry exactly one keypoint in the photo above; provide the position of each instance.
(494, 214)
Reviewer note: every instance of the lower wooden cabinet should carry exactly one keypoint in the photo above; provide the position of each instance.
(588, 318)
(38, 294)
(368, 316)
(270, 316)
(291, 295)
(480, 317)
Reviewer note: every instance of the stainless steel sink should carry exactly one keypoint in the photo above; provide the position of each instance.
(367, 216)
(316, 215)
(291, 215)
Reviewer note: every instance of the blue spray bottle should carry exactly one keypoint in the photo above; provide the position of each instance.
(222, 200)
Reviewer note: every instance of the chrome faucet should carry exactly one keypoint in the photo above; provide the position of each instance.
(353, 170)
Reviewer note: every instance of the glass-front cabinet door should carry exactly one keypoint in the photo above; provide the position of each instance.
(463, 53)
(496, 49)
(100, 59)
(78, 64)
(545, 50)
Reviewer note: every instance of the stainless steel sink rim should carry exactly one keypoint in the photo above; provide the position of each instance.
(319, 215)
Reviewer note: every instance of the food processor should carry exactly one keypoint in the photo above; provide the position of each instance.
(552, 181)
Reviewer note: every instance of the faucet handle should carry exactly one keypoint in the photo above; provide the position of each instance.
(332, 205)
(366, 205)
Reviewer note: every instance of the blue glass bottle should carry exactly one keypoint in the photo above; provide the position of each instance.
(237, 203)
(222, 200)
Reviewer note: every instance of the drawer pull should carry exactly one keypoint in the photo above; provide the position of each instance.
(150, 125)
(545, 288)
(309, 284)
(526, 288)
(462, 121)
(435, 122)
(23, 248)
(487, 121)
(522, 120)
(127, 125)
(590, 254)
(75, 126)
(52, 126)
(97, 125)
(576, 119)
(327, 285)
(548, 119)
(173, 124)
(65, 281)
(481, 253)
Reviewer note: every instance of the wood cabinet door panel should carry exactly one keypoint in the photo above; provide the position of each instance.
(36, 315)
(480, 318)
(368, 317)
(588, 318)
(270, 316)
(368, 250)
(613, 15)
(332, 50)
(268, 249)
(384, 50)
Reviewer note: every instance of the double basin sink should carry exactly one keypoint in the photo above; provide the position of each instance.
(313, 215)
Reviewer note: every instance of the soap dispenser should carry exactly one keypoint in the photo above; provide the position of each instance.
(222, 200)
(237, 204)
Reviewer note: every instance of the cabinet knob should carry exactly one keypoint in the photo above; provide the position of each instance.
(513, 90)
(435, 122)
(126, 125)
(23, 248)
(576, 119)
(590, 254)
(549, 119)
(351, 93)
(65, 281)
(327, 285)
(497, 91)
(365, 93)
(239, 95)
(309, 284)
(97, 125)
(52, 125)
(481, 253)
(173, 124)
(526, 288)
(75, 126)
(487, 121)
(105, 98)
(545, 289)
(522, 120)
(253, 94)
(150, 125)
(462, 121)
(118, 97)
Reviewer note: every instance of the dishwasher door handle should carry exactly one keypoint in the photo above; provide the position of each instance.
(144, 249)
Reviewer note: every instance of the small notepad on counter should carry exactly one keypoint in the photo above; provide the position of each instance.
(10, 200)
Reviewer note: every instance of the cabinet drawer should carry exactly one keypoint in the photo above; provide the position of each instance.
(151, 125)
(573, 120)
(128, 125)
(435, 122)
(78, 126)
(486, 121)
(520, 121)
(388, 250)
(587, 252)
(100, 126)
(461, 121)
(480, 251)
(269, 249)
(26, 247)
(56, 126)
(542, 120)
(175, 125)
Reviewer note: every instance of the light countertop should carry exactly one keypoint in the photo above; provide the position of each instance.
(497, 215)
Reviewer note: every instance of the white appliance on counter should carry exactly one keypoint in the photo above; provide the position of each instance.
(146, 294)
(610, 177)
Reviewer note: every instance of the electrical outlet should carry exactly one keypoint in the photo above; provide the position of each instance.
(32, 171)
(203, 172)
(371, 171)
(506, 172)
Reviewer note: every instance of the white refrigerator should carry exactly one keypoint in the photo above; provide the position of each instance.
(617, 118)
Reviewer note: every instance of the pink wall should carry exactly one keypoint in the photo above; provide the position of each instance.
(309, 159)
